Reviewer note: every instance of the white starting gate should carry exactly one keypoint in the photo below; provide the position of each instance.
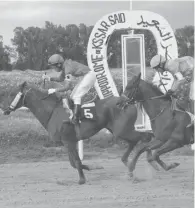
(133, 62)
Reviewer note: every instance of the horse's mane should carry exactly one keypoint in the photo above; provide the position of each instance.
(154, 87)
(38, 88)
(156, 90)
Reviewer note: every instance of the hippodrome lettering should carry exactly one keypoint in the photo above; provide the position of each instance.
(101, 76)
(98, 42)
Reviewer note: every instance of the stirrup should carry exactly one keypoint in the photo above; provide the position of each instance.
(67, 121)
(70, 121)
(77, 123)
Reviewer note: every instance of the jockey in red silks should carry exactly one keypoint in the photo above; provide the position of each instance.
(68, 68)
(182, 70)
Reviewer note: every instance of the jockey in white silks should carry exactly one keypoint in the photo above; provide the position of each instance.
(67, 68)
(182, 70)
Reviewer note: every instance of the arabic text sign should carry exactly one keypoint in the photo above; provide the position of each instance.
(163, 81)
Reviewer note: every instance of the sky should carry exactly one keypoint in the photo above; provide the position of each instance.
(35, 13)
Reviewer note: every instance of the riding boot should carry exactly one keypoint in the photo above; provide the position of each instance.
(76, 114)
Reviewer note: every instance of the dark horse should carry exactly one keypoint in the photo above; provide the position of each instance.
(49, 111)
(170, 127)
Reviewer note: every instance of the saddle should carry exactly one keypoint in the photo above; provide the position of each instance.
(88, 110)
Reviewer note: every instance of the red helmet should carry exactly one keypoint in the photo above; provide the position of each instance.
(55, 59)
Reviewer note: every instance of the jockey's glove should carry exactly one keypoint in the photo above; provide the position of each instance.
(51, 91)
(170, 93)
(69, 77)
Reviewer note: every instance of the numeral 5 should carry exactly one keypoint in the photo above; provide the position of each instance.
(87, 113)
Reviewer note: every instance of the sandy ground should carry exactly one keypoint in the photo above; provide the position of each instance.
(54, 185)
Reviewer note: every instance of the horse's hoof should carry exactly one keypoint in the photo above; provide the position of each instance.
(125, 162)
(174, 165)
(92, 167)
(135, 180)
(138, 180)
(154, 165)
(131, 175)
(82, 181)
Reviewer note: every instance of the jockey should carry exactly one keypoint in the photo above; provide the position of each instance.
(182, 70)
(68, 68)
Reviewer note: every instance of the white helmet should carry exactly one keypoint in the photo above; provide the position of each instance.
(157, 60)
(55, 59)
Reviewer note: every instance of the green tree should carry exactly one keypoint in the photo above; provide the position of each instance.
(35, 45)
(150, 45)
(5, 57)
(185, 40)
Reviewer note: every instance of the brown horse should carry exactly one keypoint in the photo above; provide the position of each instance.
(169, 126)
(49, 111)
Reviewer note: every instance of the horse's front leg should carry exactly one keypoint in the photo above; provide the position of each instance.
(175, 141)
(139, 150)
(143, 138)
(125, 156)
(169, 146)
(75, 161)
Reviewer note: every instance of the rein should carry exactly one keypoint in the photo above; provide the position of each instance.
(152, 119)
(162, 82)
(44, 98)
(25, 96)
(130, 101)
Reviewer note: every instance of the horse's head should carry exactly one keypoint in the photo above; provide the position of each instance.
(131, 92)
(140, 90)
(10, 100)
(15, 98)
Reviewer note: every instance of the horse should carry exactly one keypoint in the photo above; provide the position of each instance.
(170, 126)
(49, 110)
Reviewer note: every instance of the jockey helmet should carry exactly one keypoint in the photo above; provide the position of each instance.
(55, 59)
(157, 60)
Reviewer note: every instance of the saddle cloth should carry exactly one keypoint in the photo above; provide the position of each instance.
(88, 110)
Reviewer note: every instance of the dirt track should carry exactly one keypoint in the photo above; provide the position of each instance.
(54, 185)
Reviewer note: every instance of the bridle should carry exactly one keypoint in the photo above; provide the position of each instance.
(158, 66)
(131, 100)
(20, 95)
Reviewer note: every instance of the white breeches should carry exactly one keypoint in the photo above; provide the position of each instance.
(192, 90)
(83, 87)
